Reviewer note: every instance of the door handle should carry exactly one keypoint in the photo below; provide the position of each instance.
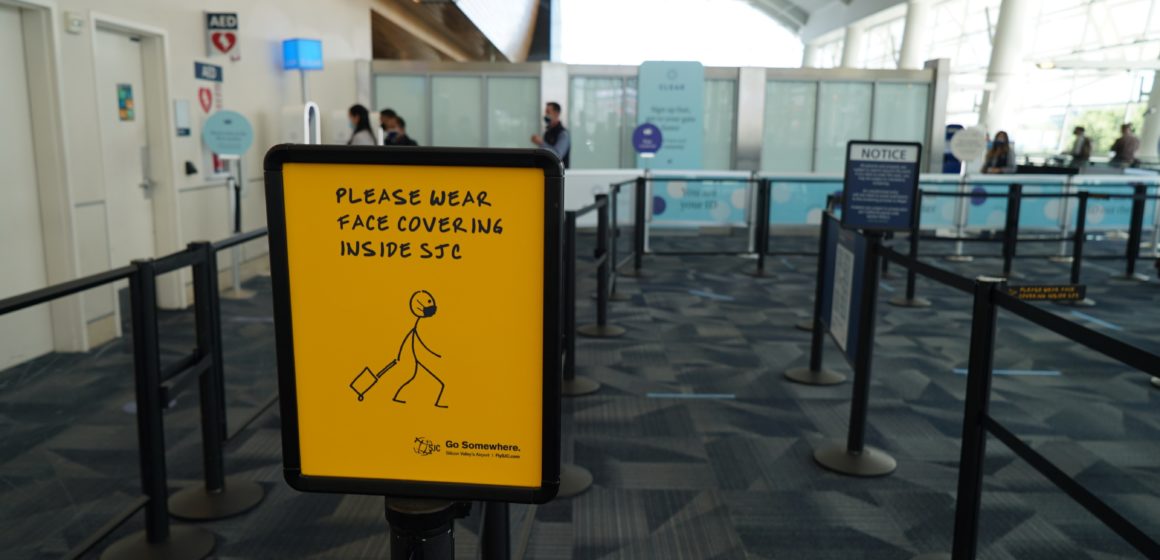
(146, 183)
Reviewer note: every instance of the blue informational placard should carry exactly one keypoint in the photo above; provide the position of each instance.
(227, 133)
(672, 97)
(647, 139)
(302, 54)
(693, 203)
(208, 72)
(880, 186)
(843, 276)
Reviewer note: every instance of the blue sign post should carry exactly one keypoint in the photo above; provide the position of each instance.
(881, 185)
(843, 278)
(647, 140)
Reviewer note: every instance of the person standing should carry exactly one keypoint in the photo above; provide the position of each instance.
(384, 116)
(1125, 147)
(360, 124)
(1081, 150)
(1001, 156)
(555, 137)
(397, 133)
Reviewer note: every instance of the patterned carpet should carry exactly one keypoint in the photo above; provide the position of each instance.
(699, 447)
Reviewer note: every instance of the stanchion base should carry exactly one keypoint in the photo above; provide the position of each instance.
(807, 326)
(870, 462)
(1061, 259)
(195, 504)
(1156, 382)
(1085, 302)
(574, 480)
(761, 274)
(903, 301)
(597, 331)
(1136, 277)
(933, 556)
(631, 273)
(960, 258)
(238, 294)
(807, 376)
(614, 296)
(184, 543)
(579, 386)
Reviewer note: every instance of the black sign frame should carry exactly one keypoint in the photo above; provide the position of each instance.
(914, 202)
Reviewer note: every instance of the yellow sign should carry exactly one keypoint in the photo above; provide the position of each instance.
(1062, 292)
(417, 298)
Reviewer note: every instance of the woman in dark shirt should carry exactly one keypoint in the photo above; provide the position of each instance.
(1001, 157)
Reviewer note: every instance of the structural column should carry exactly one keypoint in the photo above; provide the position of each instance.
(810, 56)
(853, 46)
(916, 34)
(1150, 134)
(1013, 32)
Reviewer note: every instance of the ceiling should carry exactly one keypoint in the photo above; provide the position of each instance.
(398, 28)
(793, 14)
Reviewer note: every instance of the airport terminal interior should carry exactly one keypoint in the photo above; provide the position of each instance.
(591, 279)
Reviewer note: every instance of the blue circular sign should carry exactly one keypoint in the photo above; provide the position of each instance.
(227, 133)
(646, 139)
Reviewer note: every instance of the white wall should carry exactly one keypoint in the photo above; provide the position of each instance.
(191, 208)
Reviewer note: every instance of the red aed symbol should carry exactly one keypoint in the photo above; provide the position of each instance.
(205, 97)
(224, 41)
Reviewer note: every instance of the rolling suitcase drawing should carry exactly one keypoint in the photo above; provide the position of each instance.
(366, 379)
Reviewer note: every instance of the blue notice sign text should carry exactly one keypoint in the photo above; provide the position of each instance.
(881, 185)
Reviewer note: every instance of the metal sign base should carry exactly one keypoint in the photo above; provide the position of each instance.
(423, 528)
(903, 301)
(184, 543)
(1130, 278)
(805, 325)
(960, 258)
(579, 386)
(1156, 382)
(870, 462)
(197, 504)
(574, 480)
(598, 331)
(1060, 259)
(807, 376)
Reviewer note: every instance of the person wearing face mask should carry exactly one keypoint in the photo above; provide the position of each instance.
(360, 124)
(384, 116)
(1001, 156)
(555, 136)
(397, 133)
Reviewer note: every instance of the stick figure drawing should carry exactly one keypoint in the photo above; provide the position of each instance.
(422, 307)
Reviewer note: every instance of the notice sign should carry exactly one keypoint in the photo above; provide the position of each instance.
(1064, 292)
(844, 270)
(417, 314)
(880, 187)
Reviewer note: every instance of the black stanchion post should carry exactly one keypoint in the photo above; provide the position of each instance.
(815, 374)
(1011, 227)
(855, 458)
(1078, 239)
(1135, 235)
(423, 528)
(974, 443)
(613, 244)
(159, 539)
(603, 274)
(496, 541)
(761, 215)
(638, 234)
(909, 299)
(572, 386)
(808, 324)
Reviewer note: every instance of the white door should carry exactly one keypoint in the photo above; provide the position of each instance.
(28, 333)
(124, 144)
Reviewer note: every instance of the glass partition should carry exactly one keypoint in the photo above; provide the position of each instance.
(513, 112)
(407, 95)
(595, 121)
(720, 108)
(843, 115)
(457, 111)
(900, 112)
(788, 144)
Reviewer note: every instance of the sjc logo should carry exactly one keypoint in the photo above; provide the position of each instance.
(424, 446)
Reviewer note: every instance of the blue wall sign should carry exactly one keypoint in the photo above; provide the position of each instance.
(227, 133)
(880, 186)
(843, 275)
(208, 72)
(672, 97)
(302, 54)
(647, 139)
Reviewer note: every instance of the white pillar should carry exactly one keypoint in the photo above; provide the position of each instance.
(853, 46)
(1013, 31)
(916, 34)
(810, 56)
(1150, 134)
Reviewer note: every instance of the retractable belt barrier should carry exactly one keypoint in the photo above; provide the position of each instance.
(218, 496)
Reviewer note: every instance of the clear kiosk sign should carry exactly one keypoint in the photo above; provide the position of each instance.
(417, 315)
(881, 184)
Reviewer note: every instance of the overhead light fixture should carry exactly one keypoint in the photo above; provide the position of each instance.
(1046, 64)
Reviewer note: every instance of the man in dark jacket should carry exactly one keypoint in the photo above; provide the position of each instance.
(397, 133)
(555, 137)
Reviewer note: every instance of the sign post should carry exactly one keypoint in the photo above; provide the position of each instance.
(969, 145)
(229, 134)
(418, 320)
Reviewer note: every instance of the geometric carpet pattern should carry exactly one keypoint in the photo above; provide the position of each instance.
(698, 446)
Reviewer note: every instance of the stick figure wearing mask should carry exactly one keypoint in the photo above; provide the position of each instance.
(422, 306)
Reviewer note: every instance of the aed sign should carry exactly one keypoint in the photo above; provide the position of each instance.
(880, 188)
(417, 313)
(221, 34)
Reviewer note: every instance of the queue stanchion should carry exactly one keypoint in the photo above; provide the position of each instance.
(640, 199)
(807, 325)
(1011, 227)
(1135, 235)
(1078, 239)
(159, 539)
(603, 270)
(815, 374)
(761, 244)
(614, 243)
(910, 299)
(854, 457)
(423, 528)
(495, 542)
(1064, 211)
(572, 385)
(219, 497)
